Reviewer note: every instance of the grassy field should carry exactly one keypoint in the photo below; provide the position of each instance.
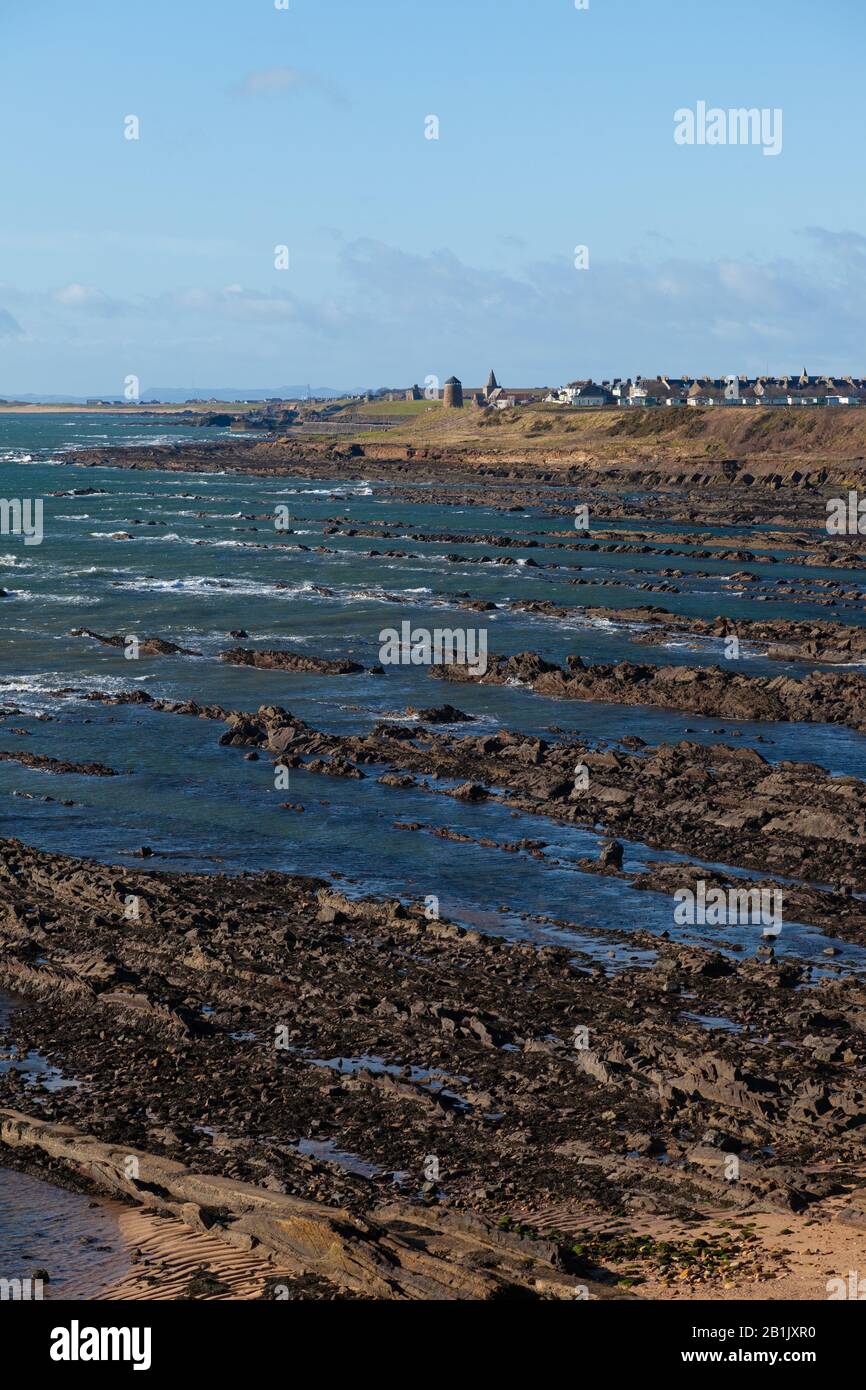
(789, 434)
(398, 410)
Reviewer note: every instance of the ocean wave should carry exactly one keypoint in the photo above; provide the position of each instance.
(377, 594)
(210, 587)
(361, 489)
(209, 516)
(73, 600)
(110, 535)
(52, 683)
(301, 641)
(230, 545)
(75, 571)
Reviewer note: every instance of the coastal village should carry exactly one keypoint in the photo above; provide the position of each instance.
(625, 392)
(617, 393)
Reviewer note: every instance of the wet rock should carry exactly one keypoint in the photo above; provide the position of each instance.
(58, 765)
(610, 856)
(289, 661)
(440, 714)
(470, 791)
(147, 646)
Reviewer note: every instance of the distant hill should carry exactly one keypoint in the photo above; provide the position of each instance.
(176, 395)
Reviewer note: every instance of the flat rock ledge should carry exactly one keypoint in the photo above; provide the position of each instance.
(401, 1251)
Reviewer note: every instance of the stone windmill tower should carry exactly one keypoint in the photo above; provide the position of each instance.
(453, 397)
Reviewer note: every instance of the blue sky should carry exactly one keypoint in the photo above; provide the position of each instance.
(410, 257)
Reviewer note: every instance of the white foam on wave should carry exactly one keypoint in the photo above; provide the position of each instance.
(139, 537)
(40, 687)
(209, 516)
(279, 637)
(340, 490)
(375, 594)
(209, 587)
(230, 545)
(73, 600)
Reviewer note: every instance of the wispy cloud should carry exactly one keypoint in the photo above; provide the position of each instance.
(88, 298)
(393, 315)
(9, 327)
(283, 81)
(238, 304)
(843, 244)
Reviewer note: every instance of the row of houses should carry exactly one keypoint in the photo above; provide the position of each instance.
(710, 391)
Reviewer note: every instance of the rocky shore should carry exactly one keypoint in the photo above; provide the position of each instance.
(372, 1095)
(739, 452)
(721, 803)
(831, 644)
(819, 698)
(364, 1096)
(828, 643)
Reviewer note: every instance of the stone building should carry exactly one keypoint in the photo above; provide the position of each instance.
(453, 398)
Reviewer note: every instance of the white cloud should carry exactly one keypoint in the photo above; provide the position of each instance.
(282, 81)
(75, 296)
(394, 315)
(9, 327)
